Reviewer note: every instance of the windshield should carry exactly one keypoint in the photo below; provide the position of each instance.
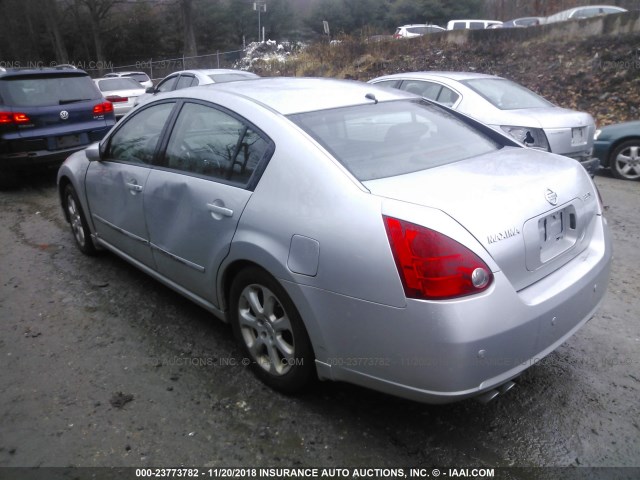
(505, 94)
(43, 91)
(393, 138)
(119, 83)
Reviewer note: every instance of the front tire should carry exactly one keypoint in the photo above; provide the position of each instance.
(78, 222)
(271, 332)
(625, 160)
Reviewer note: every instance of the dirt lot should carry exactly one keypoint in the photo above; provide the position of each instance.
(102, 366)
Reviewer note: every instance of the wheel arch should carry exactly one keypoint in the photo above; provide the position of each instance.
(311, 324)
(62, 185)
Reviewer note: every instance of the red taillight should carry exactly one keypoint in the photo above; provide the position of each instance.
(433, 266)
(116, 98)
(102, 108)
(7, 118)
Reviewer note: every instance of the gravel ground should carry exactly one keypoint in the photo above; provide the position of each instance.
(102, 366)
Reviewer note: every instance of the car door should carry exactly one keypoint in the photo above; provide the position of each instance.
(195, 197)
(115, 185)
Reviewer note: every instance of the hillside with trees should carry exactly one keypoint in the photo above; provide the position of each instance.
(120, 32)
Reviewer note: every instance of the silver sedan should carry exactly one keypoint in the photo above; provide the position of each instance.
(121, 91)
(349, 232)
(506, 106)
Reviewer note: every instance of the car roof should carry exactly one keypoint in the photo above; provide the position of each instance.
(459, 76)
(127, 73)
(47, 71)
(213, 71)
(287, 95)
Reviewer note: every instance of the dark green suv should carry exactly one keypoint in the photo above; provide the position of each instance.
(46, 115)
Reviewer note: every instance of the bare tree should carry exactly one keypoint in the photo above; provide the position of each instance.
(190, 48)
(98, 12)
(52, 20)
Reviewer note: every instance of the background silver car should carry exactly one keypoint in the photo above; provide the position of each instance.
(351, 232)
(506, 106)
(140, 77)
(121, 91)
(193, 78)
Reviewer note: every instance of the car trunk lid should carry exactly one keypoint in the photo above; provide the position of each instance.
(531, 211)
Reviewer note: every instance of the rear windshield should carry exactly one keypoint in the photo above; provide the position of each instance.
(393, 138)
(119, 83)
(140, 77)
(45, 91)
(231, 77)
(505, 94)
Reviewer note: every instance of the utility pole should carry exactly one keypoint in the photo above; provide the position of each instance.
(260, 6)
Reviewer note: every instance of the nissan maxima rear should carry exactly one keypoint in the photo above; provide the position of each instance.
(350, 232)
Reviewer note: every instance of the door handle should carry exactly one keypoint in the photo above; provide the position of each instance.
(133, 186)
(219, 210)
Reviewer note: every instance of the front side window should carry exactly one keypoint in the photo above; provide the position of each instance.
(394, 138)
(209, 142)
(136, 140)
(167, 84)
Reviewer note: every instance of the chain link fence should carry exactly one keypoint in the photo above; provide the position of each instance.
(158, 69)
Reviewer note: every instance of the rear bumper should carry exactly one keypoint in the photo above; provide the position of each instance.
(590, 164)
(24, 161)
(38, 152)
(439, 352)
(601, 150)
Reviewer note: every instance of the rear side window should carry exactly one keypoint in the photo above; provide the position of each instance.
(209, 142)
(45, 91)
(184, 81)
(505, 94)
(394, 138)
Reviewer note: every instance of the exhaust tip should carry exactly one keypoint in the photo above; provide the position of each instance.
(489, 395)
(505, 387)
(486, 397)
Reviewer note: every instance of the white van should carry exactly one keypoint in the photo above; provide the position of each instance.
(471, 24)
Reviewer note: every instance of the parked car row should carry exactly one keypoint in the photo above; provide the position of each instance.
(416, 30)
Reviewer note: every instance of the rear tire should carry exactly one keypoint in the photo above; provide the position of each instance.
(78, 222)
(271, 332)
(625, 160)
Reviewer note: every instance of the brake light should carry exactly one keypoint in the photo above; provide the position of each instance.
(8, 118)
(116, 98)
(102, 108)
(433, 266)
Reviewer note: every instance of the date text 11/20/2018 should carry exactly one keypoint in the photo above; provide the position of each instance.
(264, 473)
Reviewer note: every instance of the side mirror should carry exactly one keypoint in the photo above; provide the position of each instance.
(151, 90)
(93, 152)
